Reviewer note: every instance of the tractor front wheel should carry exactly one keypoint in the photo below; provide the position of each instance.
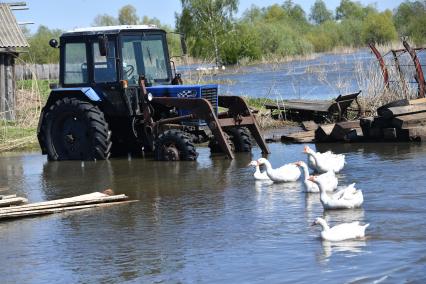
(240, 137)
(175, 145)
(74, 129)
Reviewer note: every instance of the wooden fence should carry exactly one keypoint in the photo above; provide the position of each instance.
(37, 71)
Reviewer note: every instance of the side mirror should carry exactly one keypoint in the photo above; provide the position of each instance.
(53, 43)
(103, 45)
(183, 44)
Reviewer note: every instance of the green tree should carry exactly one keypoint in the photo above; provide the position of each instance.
(410, 20)
(40, 51)
(349, 9)
(379, 28)
(127, 15)
(104, 20)
(213, 21)
(320, 13)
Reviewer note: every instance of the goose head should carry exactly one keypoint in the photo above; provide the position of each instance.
(307, 150)
(313, 179)
(300, 163)
(253, 164)
(320, 221)
(262, 161)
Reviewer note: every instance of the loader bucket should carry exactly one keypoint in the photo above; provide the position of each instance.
(238, 114)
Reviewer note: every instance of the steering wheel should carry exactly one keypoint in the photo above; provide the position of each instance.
(129, 71)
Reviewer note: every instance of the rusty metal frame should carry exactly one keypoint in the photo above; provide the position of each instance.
(419, 72)
(382, 64)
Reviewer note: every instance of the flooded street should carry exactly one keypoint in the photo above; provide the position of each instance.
(209, 221)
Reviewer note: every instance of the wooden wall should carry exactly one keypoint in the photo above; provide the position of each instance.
(7, 86)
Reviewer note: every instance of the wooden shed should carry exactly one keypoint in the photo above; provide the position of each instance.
(12, 42)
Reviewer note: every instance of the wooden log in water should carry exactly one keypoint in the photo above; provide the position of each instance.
(405, 121)
(39, 212)
(322, 134)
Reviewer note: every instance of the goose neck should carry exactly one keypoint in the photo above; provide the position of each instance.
(323, 224)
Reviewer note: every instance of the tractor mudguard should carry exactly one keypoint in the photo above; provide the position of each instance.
(86, 92)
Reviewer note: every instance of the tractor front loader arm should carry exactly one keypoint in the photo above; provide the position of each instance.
(201, 109)
(239, 114)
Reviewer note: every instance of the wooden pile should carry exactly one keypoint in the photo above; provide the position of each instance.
(401, 120)
(92, 200)
(346, 131)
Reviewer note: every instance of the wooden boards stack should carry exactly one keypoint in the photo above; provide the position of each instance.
(401, 120)
(92, 200)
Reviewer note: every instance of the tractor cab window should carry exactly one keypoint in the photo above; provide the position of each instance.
(75, 63)
(104, 66)
(144, 55)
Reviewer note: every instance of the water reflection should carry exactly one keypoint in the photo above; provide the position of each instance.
(349, 248)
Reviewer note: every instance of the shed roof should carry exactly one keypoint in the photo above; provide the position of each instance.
(10, 33)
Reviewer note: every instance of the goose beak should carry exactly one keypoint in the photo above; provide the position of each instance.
(311, 178)
(305, 149)
(313, 223)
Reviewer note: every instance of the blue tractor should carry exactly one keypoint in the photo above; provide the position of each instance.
(118, 93)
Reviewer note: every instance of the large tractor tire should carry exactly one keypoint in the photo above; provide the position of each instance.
(240, 137)
(215, 147)
(73, 129)
(175, 145)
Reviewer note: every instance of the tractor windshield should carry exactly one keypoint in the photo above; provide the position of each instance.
(144, 55)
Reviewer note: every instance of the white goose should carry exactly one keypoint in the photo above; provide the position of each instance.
(258, 175)
(324, 163)
(341, 232)
(329, 180)
(311, 161)
(286, 173)
(345, 198)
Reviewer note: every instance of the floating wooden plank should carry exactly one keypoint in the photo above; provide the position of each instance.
(418, 119)
(323, 132)
(12, 201)
(299, 137)
(32, 213)
(309, 125)
(65, 202)
(273, 139)
(403, 110)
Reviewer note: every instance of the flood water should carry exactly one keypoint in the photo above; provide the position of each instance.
(209, 221)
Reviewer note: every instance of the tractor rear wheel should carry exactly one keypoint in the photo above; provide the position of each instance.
(74, 129)
(175, 145)
(240, 137)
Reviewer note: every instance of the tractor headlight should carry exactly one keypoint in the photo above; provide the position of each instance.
(149, 97)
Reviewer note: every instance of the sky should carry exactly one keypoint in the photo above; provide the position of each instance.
(70, 14)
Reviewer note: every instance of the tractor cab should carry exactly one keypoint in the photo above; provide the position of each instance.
(118, 94)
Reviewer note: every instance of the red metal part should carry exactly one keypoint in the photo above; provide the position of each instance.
(419, 72)
(382, 64)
